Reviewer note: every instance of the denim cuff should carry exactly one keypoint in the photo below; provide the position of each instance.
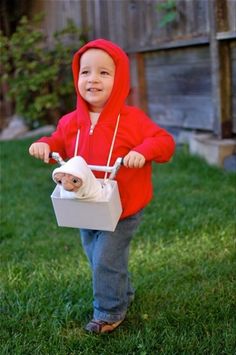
(108, 317)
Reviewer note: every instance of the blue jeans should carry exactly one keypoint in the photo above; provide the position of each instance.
(108, 254)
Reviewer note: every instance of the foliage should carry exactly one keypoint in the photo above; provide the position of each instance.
(38, 72)
(182, 260)
(168, 10)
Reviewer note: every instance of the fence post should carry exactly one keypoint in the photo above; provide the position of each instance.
(138, 96)
(221, 69)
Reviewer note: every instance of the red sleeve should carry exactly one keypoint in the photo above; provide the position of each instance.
(158, 144)
(56, 140)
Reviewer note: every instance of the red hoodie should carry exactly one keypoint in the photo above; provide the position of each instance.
(136, 131)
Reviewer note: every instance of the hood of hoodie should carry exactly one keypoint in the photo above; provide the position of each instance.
(121, 85)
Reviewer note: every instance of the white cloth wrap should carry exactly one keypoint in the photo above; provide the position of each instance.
(91, 189)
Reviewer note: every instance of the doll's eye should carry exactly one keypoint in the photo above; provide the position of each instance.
(59, 182)
(75, 180)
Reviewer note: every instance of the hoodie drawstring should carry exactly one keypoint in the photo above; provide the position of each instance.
(112, 143)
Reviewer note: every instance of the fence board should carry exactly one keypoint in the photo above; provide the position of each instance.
(179, 87)
(232, 14)
(133, 23)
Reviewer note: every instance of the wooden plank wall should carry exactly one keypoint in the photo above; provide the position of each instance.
(176, 58)
(179, 87)
(56, 14)
(134, 24)
(232, 14)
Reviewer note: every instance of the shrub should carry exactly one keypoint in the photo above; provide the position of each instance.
(37, 72)
(169, 12)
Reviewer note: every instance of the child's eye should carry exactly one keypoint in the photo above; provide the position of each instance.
(74, 180)
(59, 182)
(84, 72)
(103, 72)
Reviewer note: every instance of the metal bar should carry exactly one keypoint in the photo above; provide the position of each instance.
(107, 169)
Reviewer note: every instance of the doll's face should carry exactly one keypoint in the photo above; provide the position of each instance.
(68, 182)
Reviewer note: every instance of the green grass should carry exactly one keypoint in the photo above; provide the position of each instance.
(182, 261)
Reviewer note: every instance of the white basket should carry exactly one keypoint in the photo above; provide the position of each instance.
(75, 213)
(101, 215)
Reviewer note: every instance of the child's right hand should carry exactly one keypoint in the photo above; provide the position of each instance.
(40, 150)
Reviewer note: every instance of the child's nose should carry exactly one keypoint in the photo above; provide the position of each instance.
(93, 78)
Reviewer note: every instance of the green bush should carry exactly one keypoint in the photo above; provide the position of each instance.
(169, 12)
(38, 72)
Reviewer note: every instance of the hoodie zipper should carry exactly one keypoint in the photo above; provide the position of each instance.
(91, 129)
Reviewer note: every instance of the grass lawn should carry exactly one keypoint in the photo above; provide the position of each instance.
(182, 260)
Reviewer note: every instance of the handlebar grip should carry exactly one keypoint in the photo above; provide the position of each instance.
(57, 157)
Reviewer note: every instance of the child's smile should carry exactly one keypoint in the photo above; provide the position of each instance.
(94, 90)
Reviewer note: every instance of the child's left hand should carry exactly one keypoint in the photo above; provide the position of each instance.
(134, 160)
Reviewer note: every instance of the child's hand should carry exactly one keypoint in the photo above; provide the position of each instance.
(134, 160)
(40, 151)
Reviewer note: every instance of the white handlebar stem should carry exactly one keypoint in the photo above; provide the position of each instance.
(108, 169)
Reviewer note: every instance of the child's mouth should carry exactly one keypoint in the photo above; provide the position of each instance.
(93, 90)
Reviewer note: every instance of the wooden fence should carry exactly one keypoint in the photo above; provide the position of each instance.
(184, 73)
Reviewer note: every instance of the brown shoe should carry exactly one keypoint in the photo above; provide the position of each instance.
(99, 326)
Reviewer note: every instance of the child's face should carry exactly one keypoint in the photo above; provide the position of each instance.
(96, 78)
